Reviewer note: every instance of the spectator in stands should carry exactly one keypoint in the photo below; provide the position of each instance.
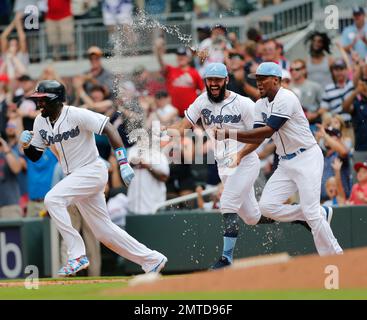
(98, 75)
(309, 93)
(272, 53)
(334, 186)
(330, 140)
(183, 82)
(214, 203)
(359, 191)
(217, 46)
(117, 13)
(319, 61)
(337, 91)
(12, 134)
(356, 105)
(166, 113)
(251, 63)
(148, 189)
(236, 75)
(40, 175)
(145, 83)
(60, 27)
(354, 37)
(180, 154)
(49, 73)
(27, 109)
(5, 99)
(97, 100)
(10, 166)
(14, 51)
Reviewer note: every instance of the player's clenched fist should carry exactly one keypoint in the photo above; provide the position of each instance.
(127, 173)
(26, 138)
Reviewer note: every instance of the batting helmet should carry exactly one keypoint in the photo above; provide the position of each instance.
(50, 89)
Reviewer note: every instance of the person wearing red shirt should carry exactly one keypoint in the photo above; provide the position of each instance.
(358, 195)
(184, 82)
(60, 27)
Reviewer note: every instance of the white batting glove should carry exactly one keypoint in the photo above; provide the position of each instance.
(26, 138)
(127, 173)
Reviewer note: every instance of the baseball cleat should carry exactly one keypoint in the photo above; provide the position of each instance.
(159, 266)
(328, 213)
(73, 266)
(221, 263)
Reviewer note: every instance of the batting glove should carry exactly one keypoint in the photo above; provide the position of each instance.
(127, 173)
(26, 138)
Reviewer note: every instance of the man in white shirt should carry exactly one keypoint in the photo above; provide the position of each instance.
(279, 115)
(148, 188)
(70, 132)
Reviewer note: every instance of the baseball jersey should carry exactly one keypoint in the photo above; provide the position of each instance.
(72, 135)
(295, 133)
(235, 112)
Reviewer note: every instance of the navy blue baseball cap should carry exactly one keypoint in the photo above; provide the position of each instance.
(267, 69)
(215, 70)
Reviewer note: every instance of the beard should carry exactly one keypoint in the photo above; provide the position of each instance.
(216, 99)
(316, 52)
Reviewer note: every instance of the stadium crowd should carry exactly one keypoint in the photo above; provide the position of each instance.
(330, 81)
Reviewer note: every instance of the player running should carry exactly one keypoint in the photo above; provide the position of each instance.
(279, 115)
(71, 131)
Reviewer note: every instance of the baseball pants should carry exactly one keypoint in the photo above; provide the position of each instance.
(238, 194)
(84, 187)
(302, 173)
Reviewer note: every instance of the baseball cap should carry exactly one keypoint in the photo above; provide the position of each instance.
(339, 63)
(181, 51)
(95, 50)
(360, 165)
(219, 26)
(267, 69)
(358, 10)
(215, 70)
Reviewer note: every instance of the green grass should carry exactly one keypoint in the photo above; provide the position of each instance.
(102, 291)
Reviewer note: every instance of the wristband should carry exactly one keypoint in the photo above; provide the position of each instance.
(121, 155)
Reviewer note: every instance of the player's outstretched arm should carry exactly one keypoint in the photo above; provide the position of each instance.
(254, 136)
(127, 173)
(178, 128)
(30, 151)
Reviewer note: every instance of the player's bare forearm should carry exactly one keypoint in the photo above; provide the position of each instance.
(179, 127)
(248, 149)
(254, 136)
(113, 136)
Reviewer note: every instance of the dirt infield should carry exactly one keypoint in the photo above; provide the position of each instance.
(61, 282)
(306, 272)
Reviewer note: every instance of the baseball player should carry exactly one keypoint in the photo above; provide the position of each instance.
(278, 114)
(71, 131)
(238, 166)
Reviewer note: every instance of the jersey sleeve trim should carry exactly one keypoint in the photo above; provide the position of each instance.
(188, 117)
(280, 115)
(258, 124)
(276, 122)
(103, 125)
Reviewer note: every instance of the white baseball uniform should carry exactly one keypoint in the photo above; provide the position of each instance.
(84, 184)
(300, 168)
(235, 112)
